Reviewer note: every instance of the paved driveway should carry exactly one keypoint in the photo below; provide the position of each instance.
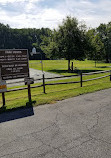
(79, 127)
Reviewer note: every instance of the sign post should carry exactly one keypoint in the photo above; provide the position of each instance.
(29, 81)
(29, 93)
(3, 88)
(3, 98)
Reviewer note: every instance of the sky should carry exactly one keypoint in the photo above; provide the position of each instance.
(50, 13)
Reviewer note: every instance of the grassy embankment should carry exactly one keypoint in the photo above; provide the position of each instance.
(59, 92)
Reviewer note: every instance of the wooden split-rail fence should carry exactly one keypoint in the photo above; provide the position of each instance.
(44, 83)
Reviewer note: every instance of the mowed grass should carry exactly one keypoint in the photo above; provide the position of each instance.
(55, 93)
(61, 66)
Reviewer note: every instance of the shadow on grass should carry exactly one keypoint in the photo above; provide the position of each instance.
(16, 113)
(74, 71)
(103, 66)
(88, 71)
(58, 71)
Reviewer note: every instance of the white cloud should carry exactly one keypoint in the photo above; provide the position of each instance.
(16, 1)
(93, 13)
(31, 13)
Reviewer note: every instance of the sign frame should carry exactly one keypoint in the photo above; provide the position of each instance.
(7, 72)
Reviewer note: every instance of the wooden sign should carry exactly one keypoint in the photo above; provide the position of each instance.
(14, 63)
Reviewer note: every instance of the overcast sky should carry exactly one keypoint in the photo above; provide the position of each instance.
(50, 13)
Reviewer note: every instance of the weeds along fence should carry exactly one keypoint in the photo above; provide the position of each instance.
(80, 75)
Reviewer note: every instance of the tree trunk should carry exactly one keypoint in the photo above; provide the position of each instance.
(69, 66)
(107, 58)
(95, 63)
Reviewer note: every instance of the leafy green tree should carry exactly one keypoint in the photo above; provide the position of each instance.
(99, 48)
(48, 46)
(22, 38)
(96, 49)
(104, 31)
(70, 40)
(5, 33)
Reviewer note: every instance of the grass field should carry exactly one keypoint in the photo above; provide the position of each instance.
(59, 92)
(61, 66)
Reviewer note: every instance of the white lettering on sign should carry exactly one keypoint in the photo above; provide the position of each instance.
(8, 52)
(17, 52)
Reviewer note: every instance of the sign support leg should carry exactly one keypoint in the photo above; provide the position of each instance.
(81, 78)
(43, 83)
(110, 75)
(3, 98)
(29, 93)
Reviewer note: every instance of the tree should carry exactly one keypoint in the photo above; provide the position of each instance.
(70, 40)
(48, 45)
(96, 47)
(5, 32)
(104, 31)
(22, 38)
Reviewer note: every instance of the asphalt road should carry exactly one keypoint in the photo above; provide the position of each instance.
(79, 127)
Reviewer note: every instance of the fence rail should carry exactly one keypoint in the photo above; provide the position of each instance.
(62, 77)
(81, 80)
(51, 78)
(95, 78)
(97, 72)
(62, 83)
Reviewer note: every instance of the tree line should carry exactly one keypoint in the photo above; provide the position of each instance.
(26, 38)
(71, 40)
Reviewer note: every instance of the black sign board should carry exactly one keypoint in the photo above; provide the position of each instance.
(14, 63)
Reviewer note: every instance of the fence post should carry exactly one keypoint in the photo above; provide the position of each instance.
(29, 93)
(3, 98)
(81, 78)
(43, 83)
(110, 75)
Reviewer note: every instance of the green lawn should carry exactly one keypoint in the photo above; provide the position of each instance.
(60, 66)
(59, 92)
